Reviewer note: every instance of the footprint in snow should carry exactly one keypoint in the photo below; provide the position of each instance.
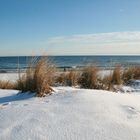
(25, 104)
(47, 101)
(5, 105)
(131, 111)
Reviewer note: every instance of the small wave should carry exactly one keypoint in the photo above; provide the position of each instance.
(3, 71)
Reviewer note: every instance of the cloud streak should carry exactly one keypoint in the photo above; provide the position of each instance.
(100, 43)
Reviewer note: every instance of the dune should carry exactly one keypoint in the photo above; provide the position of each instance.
(70, 114)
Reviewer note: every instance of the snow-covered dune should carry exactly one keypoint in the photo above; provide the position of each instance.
(70, 114)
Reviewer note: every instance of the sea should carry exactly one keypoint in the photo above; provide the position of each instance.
(14, 63)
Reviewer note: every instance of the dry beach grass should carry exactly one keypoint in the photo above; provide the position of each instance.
(41, 75)
(7, 84)
(38, 78)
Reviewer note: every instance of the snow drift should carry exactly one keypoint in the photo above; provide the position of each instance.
(70, 114)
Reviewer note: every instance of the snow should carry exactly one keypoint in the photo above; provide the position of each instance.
(70, 114)
(9, 76)
(132, 86)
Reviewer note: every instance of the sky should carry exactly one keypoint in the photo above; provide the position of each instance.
(69, 27)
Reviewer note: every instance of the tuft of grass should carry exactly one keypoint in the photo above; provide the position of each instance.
(68, 78)
(128, 74)
(61, 79)
(131, 73)
(89, 78)
(7, 84)
(136, 73)
(72, 78)
(38, 78)
(107, 82)
(117, 76)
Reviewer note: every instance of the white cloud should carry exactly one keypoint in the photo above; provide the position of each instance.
(100, 43)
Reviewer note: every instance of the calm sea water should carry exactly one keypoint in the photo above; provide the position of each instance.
(10, 64)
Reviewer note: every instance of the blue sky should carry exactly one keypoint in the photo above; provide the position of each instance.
(69, 27)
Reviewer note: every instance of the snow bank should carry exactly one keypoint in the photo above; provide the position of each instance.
(70, 114)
